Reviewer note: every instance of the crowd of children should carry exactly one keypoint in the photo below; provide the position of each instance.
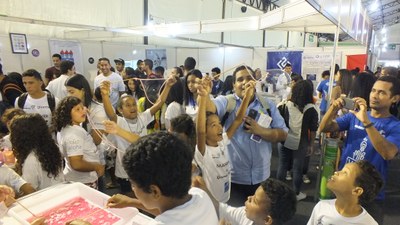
(183, 175)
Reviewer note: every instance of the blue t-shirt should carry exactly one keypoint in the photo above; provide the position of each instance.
(323, 87)
(358, 145)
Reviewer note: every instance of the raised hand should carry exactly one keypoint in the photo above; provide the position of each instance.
(105, 88)
(171, 80)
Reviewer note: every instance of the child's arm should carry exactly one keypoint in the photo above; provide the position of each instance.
(201, 120)
(164, 94)
(105, 94)
(79, 164)
(122, 201)
(199, 182)
(112, 128)
(249, 94)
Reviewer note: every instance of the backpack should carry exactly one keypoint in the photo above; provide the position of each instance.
(50, 100)
(232, 105)
(293, 121)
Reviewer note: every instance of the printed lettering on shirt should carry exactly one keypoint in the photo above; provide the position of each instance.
(360, 153)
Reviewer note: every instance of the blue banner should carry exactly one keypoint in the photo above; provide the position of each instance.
(278, 60)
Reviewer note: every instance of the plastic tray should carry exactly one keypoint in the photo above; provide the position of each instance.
(51, 197)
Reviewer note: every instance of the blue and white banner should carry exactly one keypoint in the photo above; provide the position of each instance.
(278, 60)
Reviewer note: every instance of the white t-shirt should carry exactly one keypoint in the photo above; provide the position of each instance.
(137, 126)
(97, 115)
(325, 213)
(40, 106)
(33, 173)
(74, 141)
(191, 111)
(174, 110)
(282, 85)
(57, 87)
(199, 210)
(233, 215)
(5, 142)
(117, 85)
(216, 169)
(10, 178)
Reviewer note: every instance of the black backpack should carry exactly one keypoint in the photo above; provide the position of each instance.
(50, 99)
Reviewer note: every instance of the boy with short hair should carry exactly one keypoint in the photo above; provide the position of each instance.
(159, 168)
(273, 203)
(355, 185)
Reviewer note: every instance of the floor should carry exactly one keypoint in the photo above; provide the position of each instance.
(390, 207)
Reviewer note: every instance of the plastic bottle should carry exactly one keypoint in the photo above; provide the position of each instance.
(328, 167)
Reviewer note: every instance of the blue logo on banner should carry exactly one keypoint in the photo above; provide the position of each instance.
(278, 60)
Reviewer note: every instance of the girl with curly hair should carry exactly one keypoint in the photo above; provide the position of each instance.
(81, 154)
(39, 160)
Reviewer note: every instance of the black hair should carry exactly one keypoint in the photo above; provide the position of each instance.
(251, 71)
(296, 77)
(395, 89)
(336, 68)
(159, 69)
(129, 71)
(391, 71)
(10, 113)
(17, 77)
(227, 86)
(362, 86)
(97, 94)
(302, 94)
(56, 55)
(345, 81)
(288, 65)
(370, 180)
(79, 82)
(325, 73)
(175, 93)
(184, 124)
(139, 62)
(62, 116)
(282, 200)
(65, 66)
(190, 63)
(138, 88)
(187, 94)
(148, 62)
(160, 159)
(1, 69)
(179, 71)
(32, 73)
(216, 70)
(30, 133)
(105, 59)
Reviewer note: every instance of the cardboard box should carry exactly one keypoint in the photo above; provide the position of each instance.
(54, 196)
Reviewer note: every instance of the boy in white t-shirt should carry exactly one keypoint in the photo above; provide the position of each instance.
(355, 185)
(159, 167)
(273, 203)
(37, 100)
(211, 154)
(10, 178)
(131, 121)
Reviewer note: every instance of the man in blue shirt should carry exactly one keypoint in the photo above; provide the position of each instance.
(373, 136)
(250, 157)
(322, 89)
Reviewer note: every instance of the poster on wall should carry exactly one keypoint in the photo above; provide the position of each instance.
(314, 63)
(159, 57)
(69, 50)
(278, 60)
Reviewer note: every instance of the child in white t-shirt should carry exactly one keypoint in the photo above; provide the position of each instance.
(355, 185)
(10, 178)
(159, 167)
(80, 153)
(211, 153)
(132, 122)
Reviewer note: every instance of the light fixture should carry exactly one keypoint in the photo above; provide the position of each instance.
(374, 6)
(383, 31)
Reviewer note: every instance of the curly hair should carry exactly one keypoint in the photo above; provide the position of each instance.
(10, 113)
(160, 159)
(302, 94)
(282, 200)
(30, 133)
(62, 116)
(370, 180)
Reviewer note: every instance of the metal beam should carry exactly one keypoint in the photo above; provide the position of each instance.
(262, 5)
(386, 6)
(386, 15)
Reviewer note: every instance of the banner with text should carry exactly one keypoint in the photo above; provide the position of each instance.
(314, 63)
